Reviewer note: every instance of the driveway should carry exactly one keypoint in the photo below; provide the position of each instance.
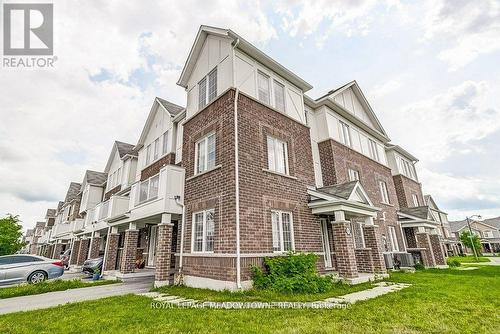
(51, 299)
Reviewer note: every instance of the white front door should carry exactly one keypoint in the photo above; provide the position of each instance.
(153, 237)
(326, 243)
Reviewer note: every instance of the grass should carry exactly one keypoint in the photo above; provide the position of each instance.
(439, 301)
(469, 259)
(48, 286)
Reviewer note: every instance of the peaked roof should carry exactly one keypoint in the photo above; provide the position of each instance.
(60, 205)
(401, 151)
(419, 212)
(39, 225)
(73, 190)
(95, 178)
(123, 149)
(351, 191)
(458, 225)
(244, 46)
(493, 222)
(51, 213)
(172, 108)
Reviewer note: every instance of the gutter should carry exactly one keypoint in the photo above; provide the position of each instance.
(183, 220)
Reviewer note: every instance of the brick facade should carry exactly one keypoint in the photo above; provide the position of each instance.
(94, 248)
(58, 248)
(155, 167)
(129, 254)
(437, 250)
(344, 249)
(405, 188)
(372, 241)
(83, 251)
(423, 241)
(111, 251)
(74, 252)
(163, 252)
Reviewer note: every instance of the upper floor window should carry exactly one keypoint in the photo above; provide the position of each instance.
(156, 149)
(373, 150)
(393, 240)
(149, 188)
(415, 199)
(279, 96)
(488, 234)
(406, 168)
(203, 231)
(383, 192)
(263, 88)
(205, 154)
(282, 229)
(148, 154)
(277, 155)
(165, 143)
(353, 174)
(207, 89)
(345, 134)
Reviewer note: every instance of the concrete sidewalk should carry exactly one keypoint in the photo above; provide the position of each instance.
(494, 261)
(51, 299)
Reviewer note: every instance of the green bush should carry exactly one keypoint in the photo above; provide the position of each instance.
(419, 266)
(292, 273)
(453, 262)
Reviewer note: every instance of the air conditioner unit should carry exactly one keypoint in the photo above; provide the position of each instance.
(389, 262)
(405, 259)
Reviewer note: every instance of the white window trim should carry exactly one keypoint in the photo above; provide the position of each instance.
(274, 95)
(204, 226)
(165, 138)
(207, 89)
(342, 134)
(384, 192)
(353, 175)
(394, 239)
(205, 138)
(275, 142)
(148, 180)
(373, 149)
(415, 200)
(280, 226)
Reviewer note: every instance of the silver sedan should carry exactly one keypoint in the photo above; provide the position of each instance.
(28, 268)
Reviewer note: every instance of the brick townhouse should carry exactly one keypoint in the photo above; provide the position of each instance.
(253, 167)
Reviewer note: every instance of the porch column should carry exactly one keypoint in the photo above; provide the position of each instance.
(344, 246)
(82, 251)
(437, 250)
(423, 241)
(50, 251)
(129, 254)
(111, 251)
(94, 248)
(57, 251)
(163, 250)
(372, 241)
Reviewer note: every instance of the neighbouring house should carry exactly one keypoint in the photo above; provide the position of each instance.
(252, 167)
(487, 230)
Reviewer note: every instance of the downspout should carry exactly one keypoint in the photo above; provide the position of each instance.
(183, 220)
(237, 171)
(105, 250)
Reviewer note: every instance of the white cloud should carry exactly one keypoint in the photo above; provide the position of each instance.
(385, 88)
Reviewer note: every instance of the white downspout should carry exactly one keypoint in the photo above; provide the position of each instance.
(237, 171)
(183, 220)
(105, 250)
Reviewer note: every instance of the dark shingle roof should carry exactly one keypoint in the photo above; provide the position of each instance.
(40, 225)
(60, 205)
(51, 213)
(124, 149)
(493, 222)
(94, 177)
(459, 224)
(456, 226)
(343, 190)
(172, 108)
(419, 211)
(73, 190)
(30, 232)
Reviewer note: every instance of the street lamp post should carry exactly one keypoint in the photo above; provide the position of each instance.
(471, 236)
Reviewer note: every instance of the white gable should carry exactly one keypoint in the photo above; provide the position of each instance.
(348, 99)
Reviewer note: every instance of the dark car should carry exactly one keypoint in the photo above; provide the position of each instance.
(90, 266)
(65, 257)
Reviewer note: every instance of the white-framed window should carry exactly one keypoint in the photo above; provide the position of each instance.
(279, 96)
(282, 229)
(118, 176)
(156, 149)
(353, 174)
(488, 234)
(384, 194)
(406, 168)
(202, 240)
(345, 134)
(415, 199)
(207, 89)
(165, 143)
(357, 232)
(393, 239)
(148, 189)
(277, 155)
(264, 91)
(205, 154)
(372, 145)
(148, 154)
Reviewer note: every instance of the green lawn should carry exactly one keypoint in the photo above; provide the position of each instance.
(439, 301)
(48, 286)
(469, 259)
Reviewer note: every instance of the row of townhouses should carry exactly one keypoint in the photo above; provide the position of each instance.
(251, 167)
(488, 231)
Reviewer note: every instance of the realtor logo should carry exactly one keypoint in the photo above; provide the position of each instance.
(28, 29)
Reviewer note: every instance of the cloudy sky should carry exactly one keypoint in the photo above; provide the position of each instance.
(430, 69)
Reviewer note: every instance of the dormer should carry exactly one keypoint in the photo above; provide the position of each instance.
(92, 189)
(70, 209)
(120, 168)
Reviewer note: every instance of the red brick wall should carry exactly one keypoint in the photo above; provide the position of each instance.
(364, 260)
(154, 168)
(405, 188)
(111, 251)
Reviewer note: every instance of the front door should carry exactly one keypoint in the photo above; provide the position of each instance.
(326, 243)
(153, 239)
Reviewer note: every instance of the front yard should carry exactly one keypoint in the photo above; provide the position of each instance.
(450, 301)
(469, 259)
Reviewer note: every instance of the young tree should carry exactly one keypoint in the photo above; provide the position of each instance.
(10, 235)
(466, 239)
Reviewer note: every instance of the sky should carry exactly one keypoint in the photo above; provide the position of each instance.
(429, 69)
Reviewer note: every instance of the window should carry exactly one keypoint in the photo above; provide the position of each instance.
(415, 199)
(353, 174)
(406, 168)
(279, 96)
(148, 189)
(277, 155)
(345, 134)
(23, 258)
(148, 154)
(205, 154)
(156, 149)
(282, 230)
(203, 231)
(207, 92)
(393, 239)
(373, 150)
(357, 232)
(488, 234)
(383, 192)
(118, 176)
(263, 88)
(165, 143)
(153, 186)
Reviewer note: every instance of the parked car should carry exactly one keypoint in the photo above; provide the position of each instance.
(91, 265)
(28, 268)
(65, 257)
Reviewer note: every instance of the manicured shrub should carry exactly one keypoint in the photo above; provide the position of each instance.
(453, 262)
(292, 273)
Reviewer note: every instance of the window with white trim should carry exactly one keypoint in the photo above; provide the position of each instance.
(357, 232)
(353, 174)
(203, 231)
(148, 154)
(207, 89)
(415, 200)
(277, 155)
(148, 189)
(264, 91)
(165, 143)
(393, 239)
(406, 168)
(205, 154)
(156, 149)
(279, 96)
(488, 234)
(372, 145)
(345, 134)
(282, 229)
(384, 193)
